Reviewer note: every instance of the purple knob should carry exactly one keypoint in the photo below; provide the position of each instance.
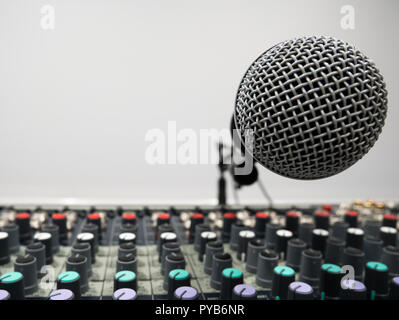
(61, 294)
(124, 294)
(244, 292)
(4, 295)
(186, 293)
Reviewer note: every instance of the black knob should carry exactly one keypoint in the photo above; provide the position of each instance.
(199, 228)
(93, 229)
(271, 235)
(319, 240)
(390, 257)
(390, 220)
(355, 258)
(85, 250)
(60, 220)
(376, 280)
(95, 218)
(125, 279)
(4, 248)
(174, 260)
(283, 236)
(322, 220)
(310, 267)
(195, 219)
(164, 227)
(129, 217)
(388, 235)
(339, 229)
(13, 236)
(46, 239)
(330, 281)
(127, 262)
(228, 219)
(220, 262)
(211, 248)
(167, 248)
(351, 218)
(38, 250)
(55, 236)
(255, 246)
(282, 277)
(69, 280)
(87, 237)
(372, 248)
(244, 237)
(294, 253)
(354, 238)
(178, 278)
(261, 219)
(305, 232)
(128, 247)
(206, 236)
(166, 237)
(78, 263)
(267, 261)
(13, 283)
(334, 250)
(23, 222)
(27, 266)
(292, 221)
(230, 278)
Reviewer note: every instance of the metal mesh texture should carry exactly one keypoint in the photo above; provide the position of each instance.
(315, 105)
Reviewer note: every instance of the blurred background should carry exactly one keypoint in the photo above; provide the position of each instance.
(77, 99)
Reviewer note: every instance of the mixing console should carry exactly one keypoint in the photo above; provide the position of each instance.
(342, 251)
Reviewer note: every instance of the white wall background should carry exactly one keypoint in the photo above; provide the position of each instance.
(77, 101)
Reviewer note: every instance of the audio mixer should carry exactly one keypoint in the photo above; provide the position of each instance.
(307, 252)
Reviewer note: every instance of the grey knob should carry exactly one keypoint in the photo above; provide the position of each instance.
(199, 228)
(174, 260)
(212, 248)
(164, 238)
(4, 248)
(168, 248)
(294, 253)
(53, 229)
(206, 236)
(267, 261)
(37, 249)
(372, 227)
(339, 230)
(13, 236)
(93, 229)
(271, 236)
(355, 258)
(244, 237)
(88, 237)
(27, 266)
(334, 250)
(372, 248)
(220, 261)
(310, 267)
(305, 232)
(78, 263)
(390, 257)
(128, 247)
(236, 228)
(254, 248)
(127, 262)
(85, 250)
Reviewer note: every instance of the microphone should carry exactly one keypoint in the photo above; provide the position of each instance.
(314, 107)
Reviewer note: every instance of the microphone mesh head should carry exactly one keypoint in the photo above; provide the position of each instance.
(315, 106)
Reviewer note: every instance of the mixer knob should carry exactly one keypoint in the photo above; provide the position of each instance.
(267, 261)
(163, 228)
(4, 248)
(13, 236)
(228, 219)
(93, 229)
(271, 236)
(300, 291)
(163, 218)
(355, 258)
(166, 237)
(206, 236)
(4, 295)
(78, 263)
(283, 236)
(186, 293)
(195, 219)
(128, 247)
(127, 262)
(282, 277)
(292, 221)
(95, 219)
(354, 238)
(87, 237)
(339, 230)
(13, 283)
(319, 240)
(372, 227)
(129, 227)
(124, 294)
(390, 220)
(305, 232)
(127, 237)
(372, 248)
(174, 260)
(322, 220)
(353, 290)
(236, 228)
(46, 239)
(230, 278)
(168, 248)
(390, 257)
(330, 281)
(376, 280)
(55, 236)
(199, 228)
(261, 219)
(125, 279)
(212, 248)
(27, 266)
(244, 292)
(388, 235)
(60, 220)
(310, 267)
(394, 289)
(85, 250)
(177, 278)
(334, 250)
(61, 294)
(129, 217)
(38, 250)
(69, 280)
(351, 218)
(255, 246)
(294, 253)
(23, 222)
(244, 237)
(220, 262)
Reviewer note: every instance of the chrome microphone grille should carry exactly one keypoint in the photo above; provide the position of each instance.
(315, 106)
